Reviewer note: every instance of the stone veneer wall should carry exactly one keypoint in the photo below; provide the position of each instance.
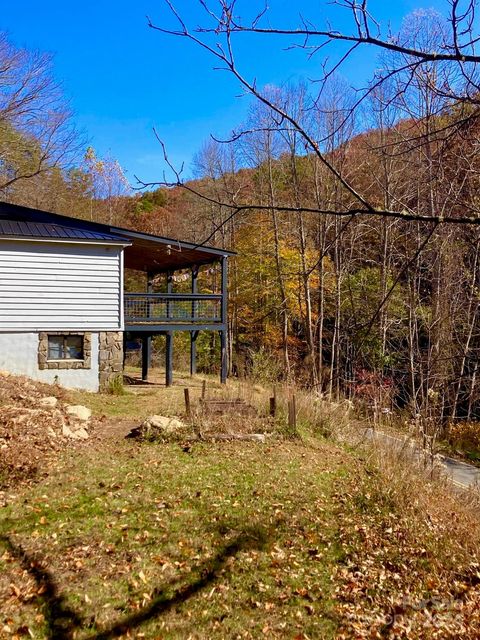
(110, 357)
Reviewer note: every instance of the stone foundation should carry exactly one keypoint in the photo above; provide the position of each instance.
(110, 357)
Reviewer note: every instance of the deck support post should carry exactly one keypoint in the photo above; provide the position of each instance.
(169, 359)
(169, 338)
(194, 334)
(147, 340)
(146, 355)
(193, 352)
(224, 357)
(224, 331)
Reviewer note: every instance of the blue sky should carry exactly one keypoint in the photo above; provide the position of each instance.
(124, 78)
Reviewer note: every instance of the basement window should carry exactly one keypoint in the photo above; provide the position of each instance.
(64, 350)
(65, 347)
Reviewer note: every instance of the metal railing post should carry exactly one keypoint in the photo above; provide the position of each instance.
(194, 334)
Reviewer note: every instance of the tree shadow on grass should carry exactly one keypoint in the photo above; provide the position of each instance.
(62, 621)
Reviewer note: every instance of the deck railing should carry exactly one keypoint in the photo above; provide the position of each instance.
(172, 308)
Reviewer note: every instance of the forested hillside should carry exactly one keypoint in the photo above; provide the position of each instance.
(379, 302)
(379, 308)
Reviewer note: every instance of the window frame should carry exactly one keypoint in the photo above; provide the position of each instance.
(64, 347)
(45, 362)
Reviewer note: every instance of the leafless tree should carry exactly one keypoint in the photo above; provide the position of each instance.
(109, 184)
(36, 130)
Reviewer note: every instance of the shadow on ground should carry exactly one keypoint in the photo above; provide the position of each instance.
(62, 621)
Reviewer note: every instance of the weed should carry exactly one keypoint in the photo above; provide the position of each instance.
(115, 386)
(265, 368)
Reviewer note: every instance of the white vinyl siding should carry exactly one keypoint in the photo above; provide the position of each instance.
(59, 286)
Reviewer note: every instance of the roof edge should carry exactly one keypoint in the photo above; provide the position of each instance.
(106, 228)
(119, 242)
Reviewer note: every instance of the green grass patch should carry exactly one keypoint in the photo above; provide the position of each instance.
(225, 541)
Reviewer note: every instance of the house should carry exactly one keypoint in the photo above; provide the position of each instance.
(64, 314)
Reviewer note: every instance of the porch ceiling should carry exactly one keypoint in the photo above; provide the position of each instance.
(157, 255)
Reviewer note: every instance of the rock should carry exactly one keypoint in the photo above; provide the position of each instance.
(77, 426)
(49, 401)
(67, 432)
(79, 412)
(78, 434)
(252, 437)
(81, 434)
(164, 423)
(160, 427)
(258, 437)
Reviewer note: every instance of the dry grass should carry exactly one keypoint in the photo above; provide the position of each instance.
(463, 438)
(315, 417)
(411, 553)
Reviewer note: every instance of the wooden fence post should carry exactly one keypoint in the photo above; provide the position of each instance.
(273, 407)
(188, 407)
(292, 414)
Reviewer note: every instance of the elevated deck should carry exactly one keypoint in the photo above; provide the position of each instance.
(158, 312)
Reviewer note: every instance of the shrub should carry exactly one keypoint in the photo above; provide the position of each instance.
(264, 366)
(464, 435)
(115, 386)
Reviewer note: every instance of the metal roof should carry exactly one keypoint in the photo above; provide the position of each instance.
(146, 252)
(50, 230)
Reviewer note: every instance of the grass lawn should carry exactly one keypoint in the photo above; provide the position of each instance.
(292, 538)
(223, 541)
